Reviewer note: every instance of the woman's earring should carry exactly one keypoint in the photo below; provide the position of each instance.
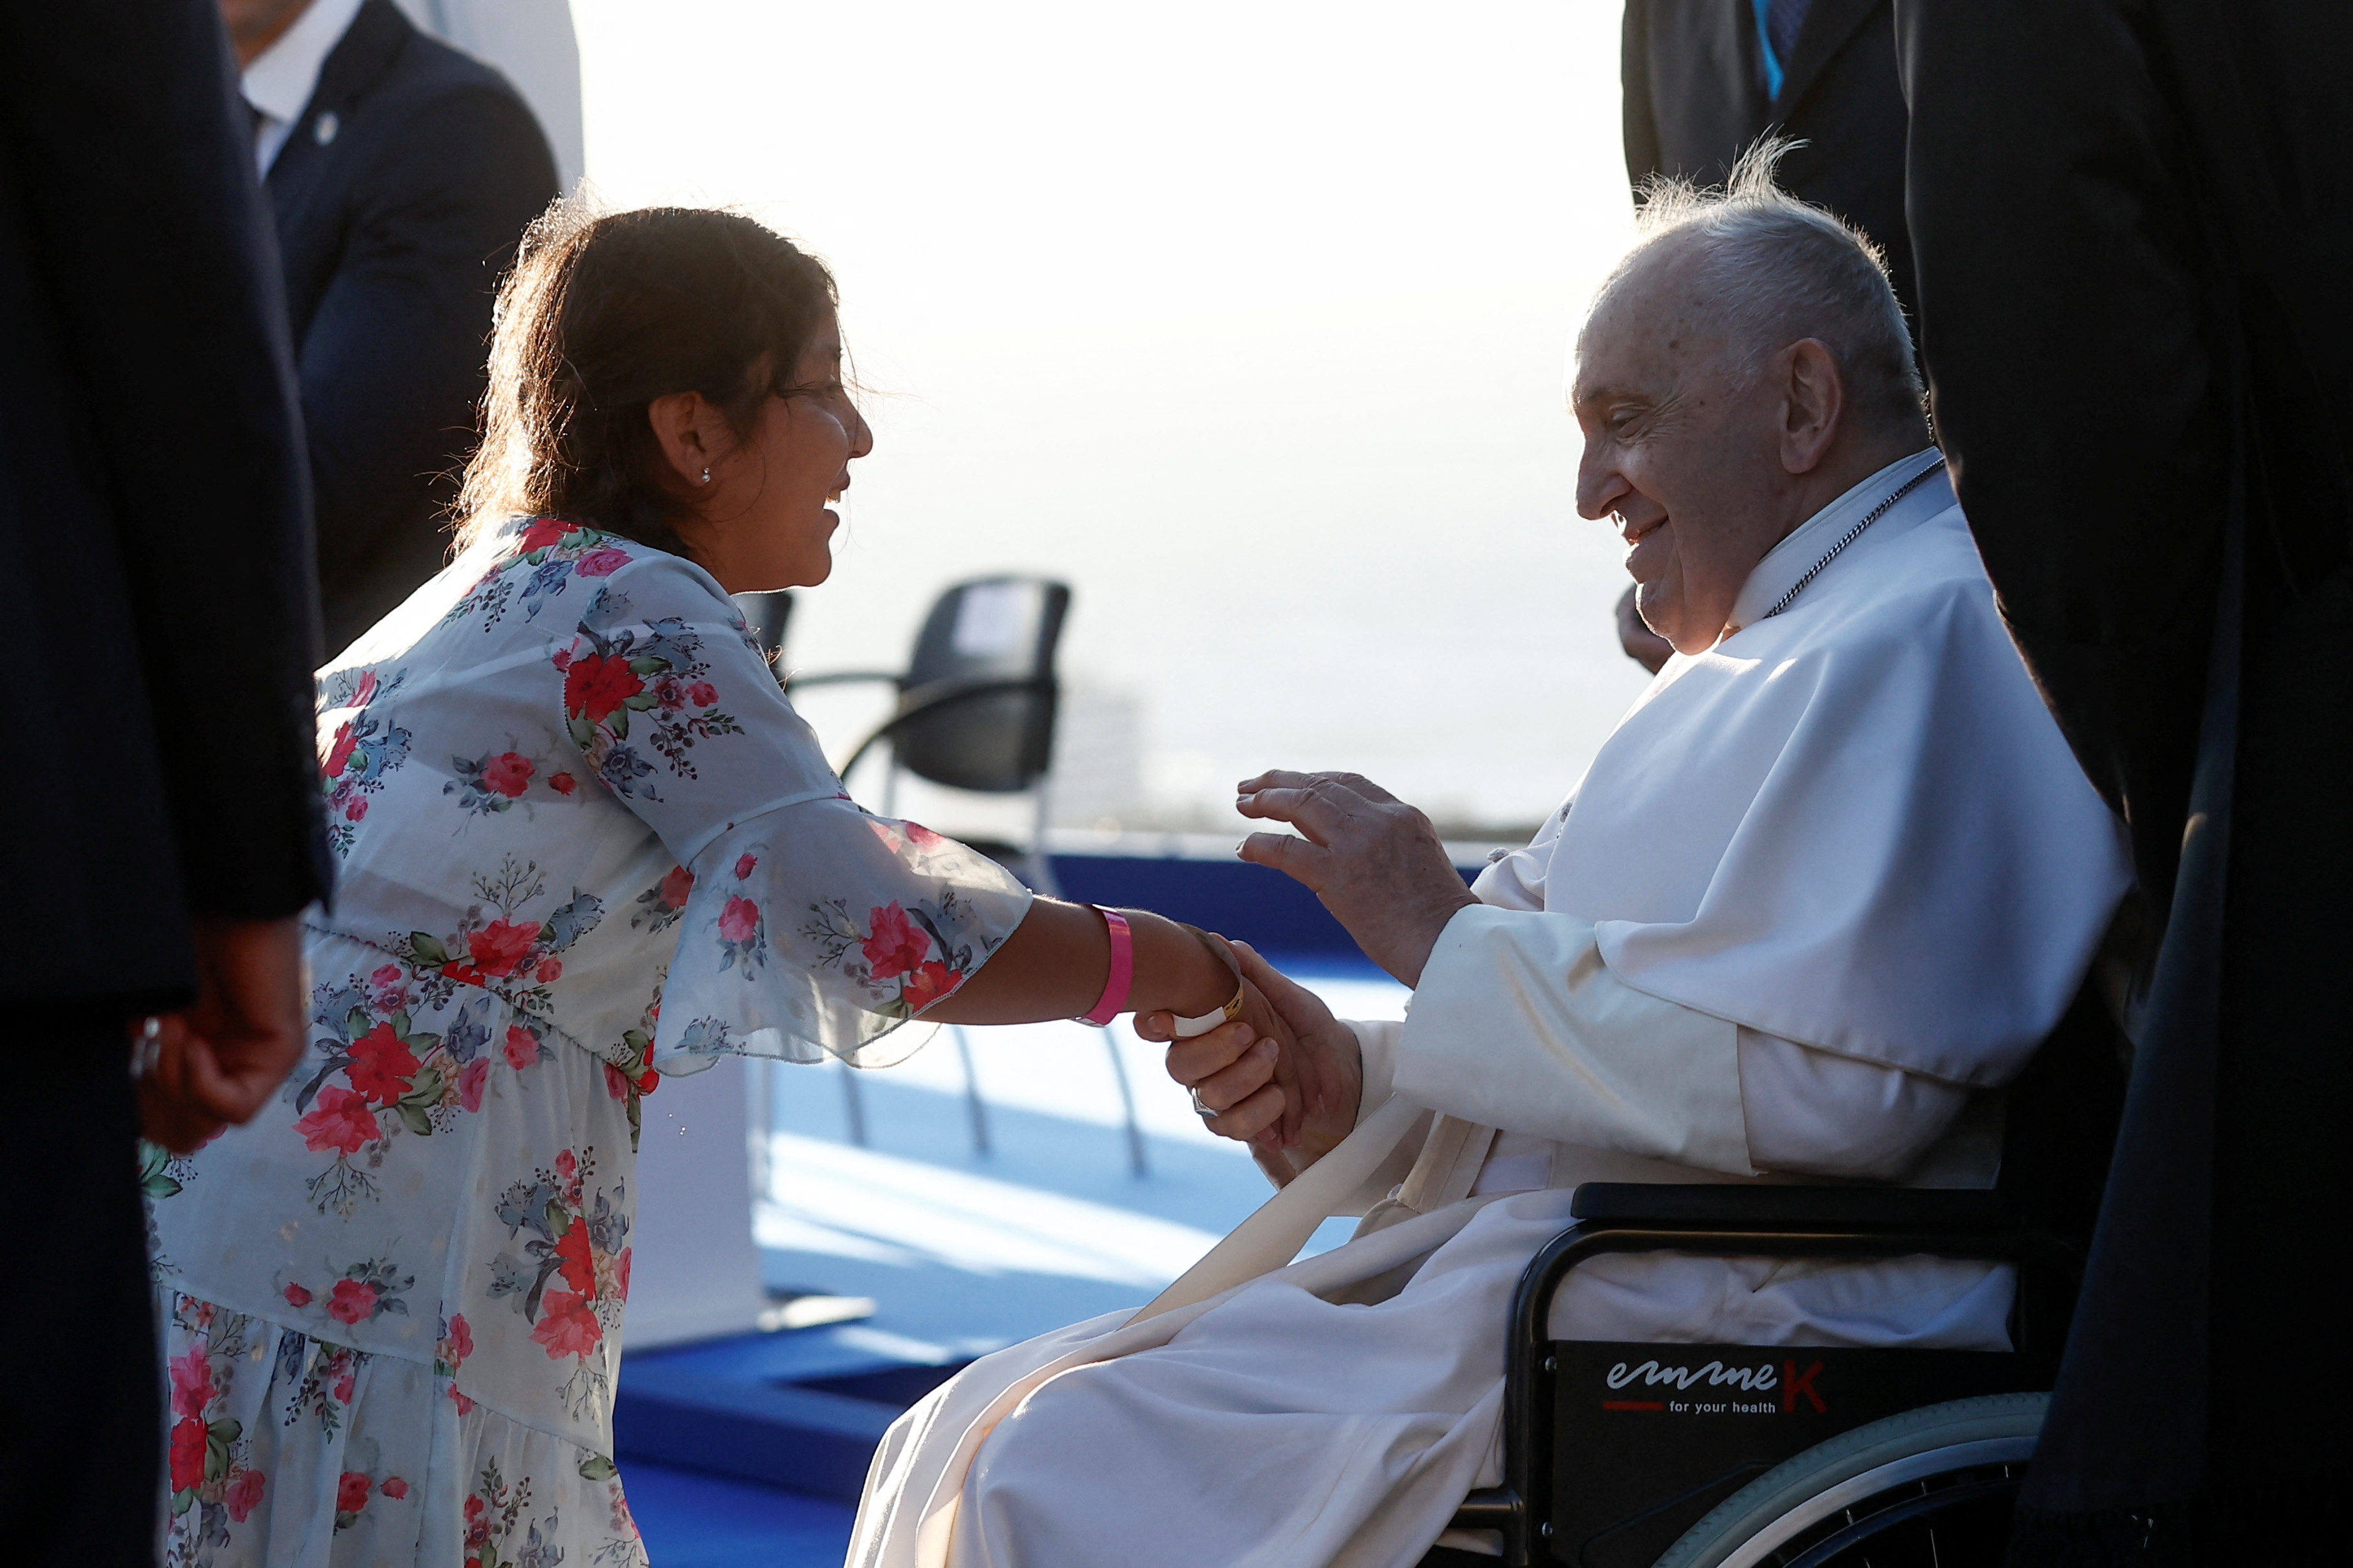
(705, 479)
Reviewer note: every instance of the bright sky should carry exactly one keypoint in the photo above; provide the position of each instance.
(1246, 319)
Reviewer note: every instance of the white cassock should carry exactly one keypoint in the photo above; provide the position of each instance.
(1819, 897)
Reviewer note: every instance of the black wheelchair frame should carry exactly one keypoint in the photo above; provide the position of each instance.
(1751, 1221)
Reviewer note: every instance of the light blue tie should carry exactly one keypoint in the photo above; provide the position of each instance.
(1778, 23)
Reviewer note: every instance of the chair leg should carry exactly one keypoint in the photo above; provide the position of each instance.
(974, 1109)
(1135, 1162)
(853, 1102)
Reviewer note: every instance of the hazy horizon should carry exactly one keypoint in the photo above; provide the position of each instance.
(1248, 322)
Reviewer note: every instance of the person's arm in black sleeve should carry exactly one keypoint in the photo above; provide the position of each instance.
(391, 362)
(1634, 85)
(2059, 302)
(148, 222)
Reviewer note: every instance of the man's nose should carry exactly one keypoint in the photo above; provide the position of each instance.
(1599, 485)
(862, 434)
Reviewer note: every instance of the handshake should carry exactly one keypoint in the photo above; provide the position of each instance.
(1285, 1076)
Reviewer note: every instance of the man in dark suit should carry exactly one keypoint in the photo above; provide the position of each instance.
(1705, 79)
(161, 794)
(2133, 234)
(401, 173)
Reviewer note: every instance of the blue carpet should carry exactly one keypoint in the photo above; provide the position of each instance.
(693, 1520)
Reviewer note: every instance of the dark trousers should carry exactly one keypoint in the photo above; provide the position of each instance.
(81, 1405)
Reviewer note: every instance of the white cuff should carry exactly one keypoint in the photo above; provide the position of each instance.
(1518, 1023)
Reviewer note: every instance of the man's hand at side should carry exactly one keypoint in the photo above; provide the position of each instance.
(218, 1062)
(1375, 861)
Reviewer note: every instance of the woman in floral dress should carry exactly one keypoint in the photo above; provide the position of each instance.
(583, 842)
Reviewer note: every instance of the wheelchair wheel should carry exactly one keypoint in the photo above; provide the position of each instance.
(1932, 1487)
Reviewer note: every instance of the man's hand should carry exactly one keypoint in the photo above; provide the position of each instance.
(1315, 1073)
(218, 1062)
(1375, 861)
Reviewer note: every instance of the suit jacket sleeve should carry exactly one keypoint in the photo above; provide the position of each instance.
(145, 226)
(2072, 385)
(391, 362)
(1634, 84)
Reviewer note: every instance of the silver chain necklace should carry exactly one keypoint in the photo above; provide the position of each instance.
(1851, 534)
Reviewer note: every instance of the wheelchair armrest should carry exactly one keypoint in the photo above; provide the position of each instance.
(1725, 1206)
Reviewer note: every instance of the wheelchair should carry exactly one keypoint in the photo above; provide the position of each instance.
(1710, 1456)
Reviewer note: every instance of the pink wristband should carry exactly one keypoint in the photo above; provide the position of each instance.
(1113, 1000)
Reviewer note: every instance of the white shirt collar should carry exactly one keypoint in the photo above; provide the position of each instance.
(1791, 559)
(281, 79)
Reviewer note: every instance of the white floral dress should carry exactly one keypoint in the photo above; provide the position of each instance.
(583, 841)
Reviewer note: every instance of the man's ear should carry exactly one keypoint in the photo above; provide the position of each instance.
(689, 432)
(1813, 404)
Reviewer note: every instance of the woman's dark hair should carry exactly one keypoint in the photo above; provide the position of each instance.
(602, 315)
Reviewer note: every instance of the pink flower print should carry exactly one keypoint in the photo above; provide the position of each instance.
(740, 920)
(366, 688)
(508, 773)
(296, 1296)
(188, 1453)
(461, 1340)
(561, 658)
(354, 808)
(382, 1066)
(595, 687)
(471, 1079)
(703, 694)
(351, 1492)
(577, 1261)
(601, 562)
(191, 1381)
(616, 1082)
(567, 1165)
(465, 1405)
(563, 784)
(926, 983)
(244, 1495)
(621, 1275)
(339, 752)
(670, 692)
(477, 1529)
(550, 968)
(676, 884)
(896, 946)
(744, 865)
(352, 1302)
(342, 1121)
(503, 945)
(567, 1325)
(521, 1046)
(347, 1376)
(393, 1487)
(923, 838)
(543, 532)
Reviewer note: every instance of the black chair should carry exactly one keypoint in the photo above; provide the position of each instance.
(1698, 1455)
(976, 702)
(766, 616)
(1615, 1453)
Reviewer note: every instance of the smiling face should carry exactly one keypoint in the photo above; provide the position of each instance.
(761, 521)
(1683, 447)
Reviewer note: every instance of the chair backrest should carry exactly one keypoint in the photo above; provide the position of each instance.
(766, 615)
(996, 628)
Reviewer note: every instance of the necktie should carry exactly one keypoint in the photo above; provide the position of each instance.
(1783, 21)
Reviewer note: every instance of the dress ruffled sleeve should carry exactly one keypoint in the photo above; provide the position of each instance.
(807, 926)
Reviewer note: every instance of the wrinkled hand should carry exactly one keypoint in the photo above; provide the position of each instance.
(218, 1062)
(1375, 862)
(1312, 1066)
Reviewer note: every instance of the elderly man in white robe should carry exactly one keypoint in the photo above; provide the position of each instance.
(1819, 897)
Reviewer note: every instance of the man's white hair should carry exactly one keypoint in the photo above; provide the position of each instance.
(1780, 269)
